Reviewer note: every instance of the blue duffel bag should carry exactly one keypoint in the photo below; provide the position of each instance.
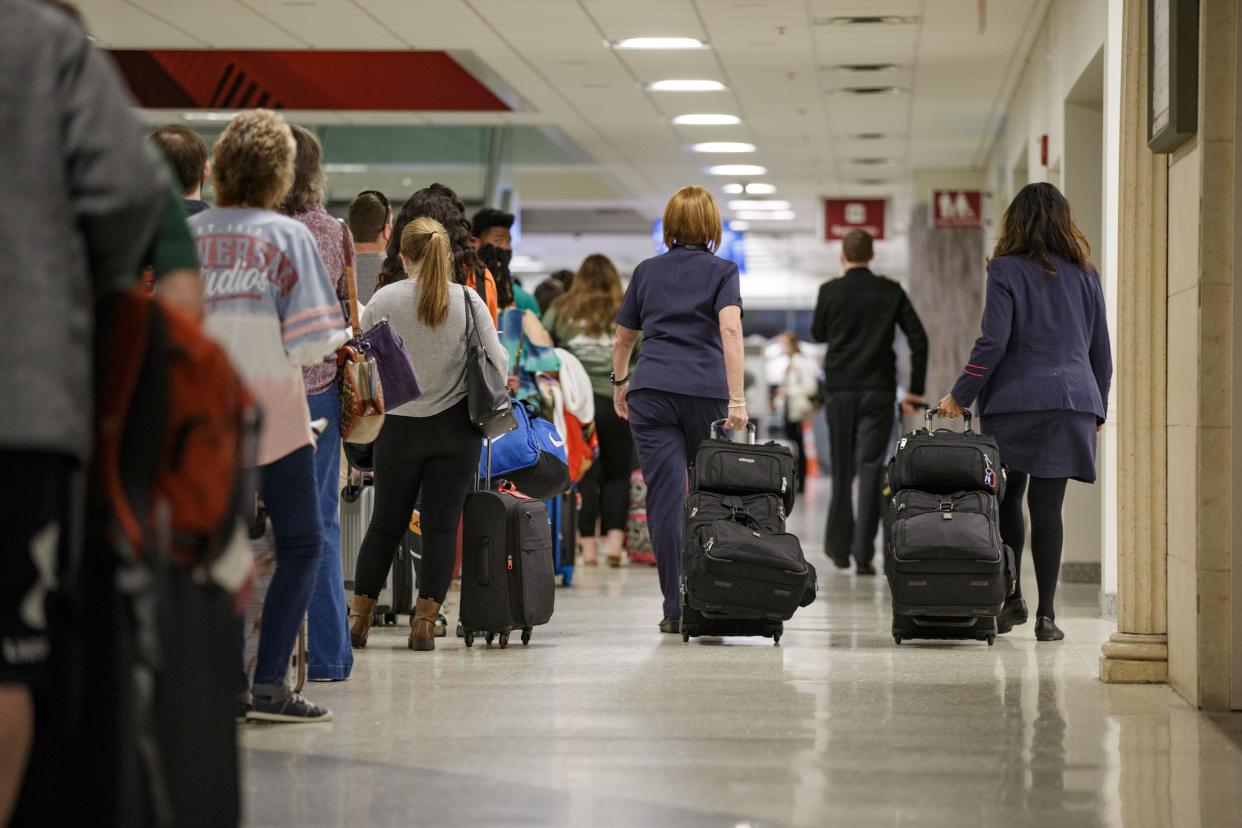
(532, 457)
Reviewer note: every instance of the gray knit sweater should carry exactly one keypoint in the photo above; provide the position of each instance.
(438, 354)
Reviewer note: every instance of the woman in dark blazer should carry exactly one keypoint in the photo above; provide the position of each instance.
(1041, 371)
(688, 305)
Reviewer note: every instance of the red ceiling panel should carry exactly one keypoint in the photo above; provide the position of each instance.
(332, 80)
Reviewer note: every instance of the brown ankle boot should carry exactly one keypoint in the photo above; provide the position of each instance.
(360, 614)
(423, 624)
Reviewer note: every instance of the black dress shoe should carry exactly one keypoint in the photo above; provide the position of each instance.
(670, 624)
(841, 563)
(1046, 630)
(1013, 614)
(864, 568)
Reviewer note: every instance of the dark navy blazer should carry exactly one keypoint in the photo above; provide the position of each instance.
(1044, 344)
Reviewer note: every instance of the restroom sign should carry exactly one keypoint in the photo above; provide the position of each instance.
(841, 215)
(957, 208)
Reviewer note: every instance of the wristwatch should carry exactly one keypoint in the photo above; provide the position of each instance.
(612, 377)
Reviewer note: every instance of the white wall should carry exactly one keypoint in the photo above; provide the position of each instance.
(1072, 33)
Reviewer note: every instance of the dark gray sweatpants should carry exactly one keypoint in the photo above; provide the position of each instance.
(667, 431)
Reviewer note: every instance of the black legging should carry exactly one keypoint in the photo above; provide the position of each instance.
(605, 487)
(1045, 498)
(438, 456)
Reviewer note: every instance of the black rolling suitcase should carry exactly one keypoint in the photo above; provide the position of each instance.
(508, 578)
(742, 574)
(948, 571)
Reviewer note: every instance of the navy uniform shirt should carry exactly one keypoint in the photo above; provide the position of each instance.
(675, 299)
(1044, 342)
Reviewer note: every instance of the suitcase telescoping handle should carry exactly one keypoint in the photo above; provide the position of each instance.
(930, 414)
(719, 426)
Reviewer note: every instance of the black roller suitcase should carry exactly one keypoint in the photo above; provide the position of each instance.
(508, 576)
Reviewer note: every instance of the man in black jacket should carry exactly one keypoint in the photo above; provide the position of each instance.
(856, 315)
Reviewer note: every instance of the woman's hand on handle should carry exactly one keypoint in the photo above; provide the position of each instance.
(949, 409)
(738, 418)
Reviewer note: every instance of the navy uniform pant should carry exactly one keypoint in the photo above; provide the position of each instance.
(667, 431)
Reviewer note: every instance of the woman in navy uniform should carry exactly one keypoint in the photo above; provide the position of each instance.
(688, 305)
(1041, 371)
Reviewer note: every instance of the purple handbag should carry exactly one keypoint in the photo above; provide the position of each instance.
(395, 369)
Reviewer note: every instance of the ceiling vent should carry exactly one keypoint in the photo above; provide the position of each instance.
(866, 20)
(869, 90)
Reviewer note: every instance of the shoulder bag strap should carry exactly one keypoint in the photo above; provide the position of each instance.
(351, 283)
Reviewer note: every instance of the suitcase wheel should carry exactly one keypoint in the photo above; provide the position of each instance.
(469, 636)
(525, 636)
(776, 639)
(897, 640)
(489, 638)
(567, 578)
(390, 618)
(461, 631)
(504, 640)
(991, 640)
(685, 634)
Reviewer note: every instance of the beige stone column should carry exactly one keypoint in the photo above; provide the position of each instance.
(1138, 651)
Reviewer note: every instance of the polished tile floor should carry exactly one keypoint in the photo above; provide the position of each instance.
(602, 721)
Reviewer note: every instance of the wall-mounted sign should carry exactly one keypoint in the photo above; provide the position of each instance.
(956, 208)
(1172, 73)
(841, 215)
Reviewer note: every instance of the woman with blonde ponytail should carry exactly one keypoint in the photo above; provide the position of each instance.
(427, 446)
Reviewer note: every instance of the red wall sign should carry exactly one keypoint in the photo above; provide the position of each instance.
(841, 215)
(957, 208)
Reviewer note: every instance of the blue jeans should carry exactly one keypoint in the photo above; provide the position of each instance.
(288, 490)
(331, 657)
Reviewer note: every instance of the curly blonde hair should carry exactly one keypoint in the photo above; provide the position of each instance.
(253, 163)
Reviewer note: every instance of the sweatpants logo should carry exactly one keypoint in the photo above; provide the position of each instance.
(43, 555)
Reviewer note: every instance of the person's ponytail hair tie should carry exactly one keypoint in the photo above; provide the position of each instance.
(425, 242)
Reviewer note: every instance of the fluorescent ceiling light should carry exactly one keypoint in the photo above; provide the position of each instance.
(660, 43)
(346, 168)
(706, 119)
(759, 188)
(208, 116)
(758, 204)
(734, 189)
(686, 86)
(737, 169)
(767, 215)
(722, 146)
(869, 90)
(739, 226)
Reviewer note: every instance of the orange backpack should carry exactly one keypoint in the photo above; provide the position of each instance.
(176, 433)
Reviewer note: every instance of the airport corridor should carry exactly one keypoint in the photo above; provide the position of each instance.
(603, 721)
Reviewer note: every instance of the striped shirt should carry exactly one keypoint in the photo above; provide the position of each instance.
(272, 307)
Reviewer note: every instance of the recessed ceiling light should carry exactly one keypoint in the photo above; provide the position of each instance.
(686, 86)
(722, 146)
(758, 188)
(706, 120)
(754, 204)
(869, 90)
(737, 169)
(739, 226)
(865, 20)
(767, 215)
(734, 189)
(208, 116)
(659, 43)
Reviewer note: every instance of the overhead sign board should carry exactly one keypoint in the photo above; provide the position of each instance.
(841, 215)
(957, 208)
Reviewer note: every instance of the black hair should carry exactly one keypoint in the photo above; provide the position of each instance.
(443, 205)
(490, 217)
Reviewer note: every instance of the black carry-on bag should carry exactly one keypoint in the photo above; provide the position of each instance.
(508, 578)
(948, 571)
(742, 574)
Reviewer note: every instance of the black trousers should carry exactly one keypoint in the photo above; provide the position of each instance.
(794, 433)
(860, 427)
(605, 487)
(439, 457)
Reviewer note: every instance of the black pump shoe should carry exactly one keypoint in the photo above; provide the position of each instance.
(670, 624)
(864, 568)
(1012, 614)
(1046, 630)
